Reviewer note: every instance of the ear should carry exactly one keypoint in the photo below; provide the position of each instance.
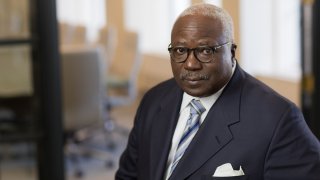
(233, 50)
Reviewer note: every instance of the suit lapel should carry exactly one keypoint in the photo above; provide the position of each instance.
(162, 131)
(214, 133)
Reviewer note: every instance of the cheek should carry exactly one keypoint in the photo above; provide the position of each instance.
(176, 69)
(218, 77)
(223, 68)
(219, 74)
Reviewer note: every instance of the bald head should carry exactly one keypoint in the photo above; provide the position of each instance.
(214, 12)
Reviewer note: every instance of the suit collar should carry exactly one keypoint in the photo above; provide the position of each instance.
(162, 130)
(214, 133)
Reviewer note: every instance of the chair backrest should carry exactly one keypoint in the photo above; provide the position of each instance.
(124, 63)
(72, 34)
(82, 86)
(108, 39)
(133, 42)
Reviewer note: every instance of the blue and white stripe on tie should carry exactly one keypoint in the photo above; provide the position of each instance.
(192, 126)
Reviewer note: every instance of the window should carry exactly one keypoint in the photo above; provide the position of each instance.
(270, 38)
(89, 13)
(153, 21)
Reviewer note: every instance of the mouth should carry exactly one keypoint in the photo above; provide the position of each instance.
(197, 78)
(193, 77)
(193, 81)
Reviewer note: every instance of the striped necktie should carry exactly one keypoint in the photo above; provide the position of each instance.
(192, 126)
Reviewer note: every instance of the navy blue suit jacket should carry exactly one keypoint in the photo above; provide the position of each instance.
(250, 125)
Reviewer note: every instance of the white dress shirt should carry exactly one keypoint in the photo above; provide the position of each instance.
(207, 102)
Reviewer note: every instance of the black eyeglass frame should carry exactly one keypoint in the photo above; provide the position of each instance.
(213, 48)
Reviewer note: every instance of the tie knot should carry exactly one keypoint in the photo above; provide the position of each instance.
(197, 107)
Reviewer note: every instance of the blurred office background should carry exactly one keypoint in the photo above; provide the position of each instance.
(72, 73)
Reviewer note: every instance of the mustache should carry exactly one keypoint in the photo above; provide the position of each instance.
(193, 75)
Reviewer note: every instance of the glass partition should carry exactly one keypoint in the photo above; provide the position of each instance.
(17, 122)
(15, 71)
(14, 19)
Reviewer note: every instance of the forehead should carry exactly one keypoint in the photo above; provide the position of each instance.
(197, 28)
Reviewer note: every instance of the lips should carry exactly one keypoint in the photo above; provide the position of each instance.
(192, 81)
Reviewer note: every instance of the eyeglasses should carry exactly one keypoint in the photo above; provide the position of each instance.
(203, 53)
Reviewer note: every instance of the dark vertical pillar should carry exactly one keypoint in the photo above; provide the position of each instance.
(310, 89)
(316, 68)
(47, 89)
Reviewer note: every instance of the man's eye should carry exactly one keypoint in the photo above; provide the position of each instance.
(180, 50)
(205, 50)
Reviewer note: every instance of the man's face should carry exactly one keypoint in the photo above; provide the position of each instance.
(194, 77)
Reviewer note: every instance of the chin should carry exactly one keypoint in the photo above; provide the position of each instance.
(195, 93)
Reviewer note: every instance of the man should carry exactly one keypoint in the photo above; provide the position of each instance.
(213, 120)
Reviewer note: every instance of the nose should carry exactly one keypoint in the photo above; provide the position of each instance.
(192, 63)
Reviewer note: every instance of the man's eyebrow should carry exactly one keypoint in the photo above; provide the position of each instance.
(179, 44)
